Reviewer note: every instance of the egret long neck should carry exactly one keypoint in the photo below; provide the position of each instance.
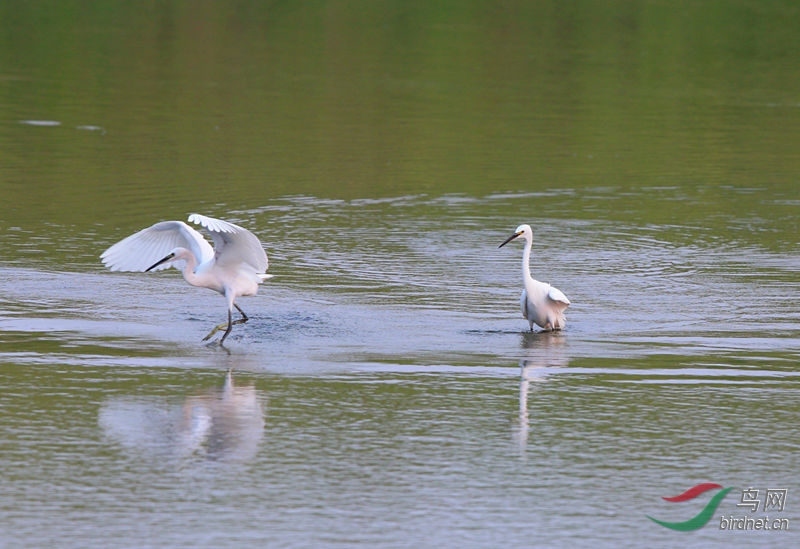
(188, 270)
(204, 278)
(526, 260)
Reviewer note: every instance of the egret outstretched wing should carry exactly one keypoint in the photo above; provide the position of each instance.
(233, 245)
(234, 268)
(141, 250)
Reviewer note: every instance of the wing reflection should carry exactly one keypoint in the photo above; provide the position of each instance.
(224, 423)
(544, 351)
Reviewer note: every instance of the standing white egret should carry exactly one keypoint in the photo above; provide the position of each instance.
(234, 267)
(541, 303)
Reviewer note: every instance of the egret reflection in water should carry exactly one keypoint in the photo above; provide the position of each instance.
(544, 351)
(224, 423)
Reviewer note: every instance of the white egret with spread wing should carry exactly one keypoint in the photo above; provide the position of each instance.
(541, 303)
(234, 267)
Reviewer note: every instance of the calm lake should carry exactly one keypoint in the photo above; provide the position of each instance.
(386, 392)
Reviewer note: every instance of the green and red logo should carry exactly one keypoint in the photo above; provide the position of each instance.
(703, 516)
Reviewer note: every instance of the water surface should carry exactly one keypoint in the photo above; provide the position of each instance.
(385, 391)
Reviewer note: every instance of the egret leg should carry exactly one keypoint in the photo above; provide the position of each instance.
(215, 330)
(244, 318)
(228, 326)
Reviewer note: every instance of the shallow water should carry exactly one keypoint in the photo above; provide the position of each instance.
(385, 391)
(389, 394)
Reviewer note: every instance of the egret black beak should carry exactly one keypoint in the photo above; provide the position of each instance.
(509, 239)
(156, 264)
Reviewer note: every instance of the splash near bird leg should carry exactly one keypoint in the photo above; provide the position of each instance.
(227, 325)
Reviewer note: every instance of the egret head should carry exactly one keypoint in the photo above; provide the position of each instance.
(168, 258)
(523, 230)
(178, 258)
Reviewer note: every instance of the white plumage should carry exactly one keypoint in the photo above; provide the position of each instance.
(234, 267)
(541, 303)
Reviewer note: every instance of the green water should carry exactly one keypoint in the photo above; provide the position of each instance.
(384, 392)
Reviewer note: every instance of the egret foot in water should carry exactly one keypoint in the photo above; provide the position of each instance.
(234, 267)
(228, 326)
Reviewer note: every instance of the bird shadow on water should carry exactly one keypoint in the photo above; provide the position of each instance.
(220, 424)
